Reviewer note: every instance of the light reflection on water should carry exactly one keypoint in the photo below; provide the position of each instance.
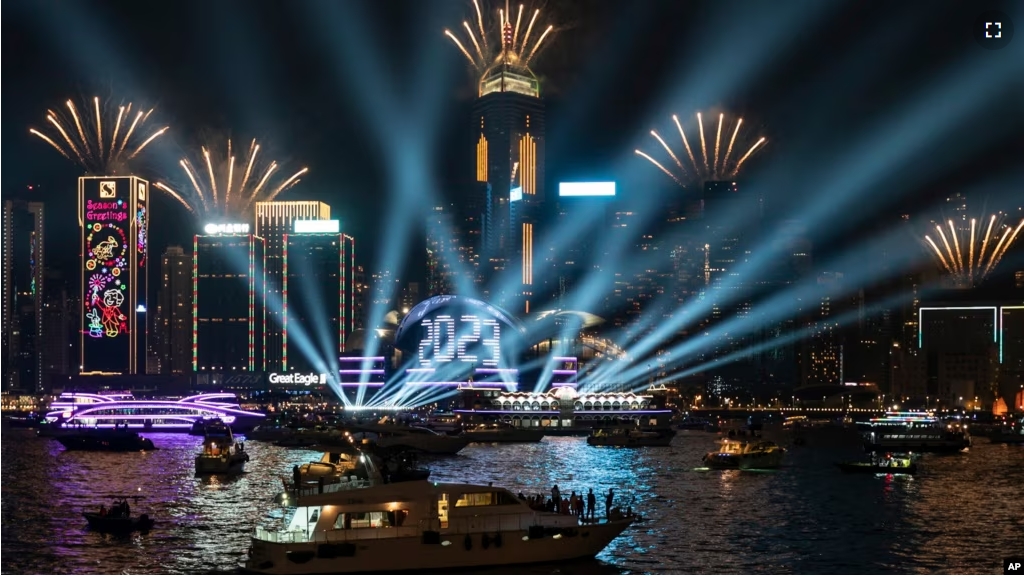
(958, 515)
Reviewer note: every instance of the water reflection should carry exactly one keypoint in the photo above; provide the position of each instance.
(807, 517)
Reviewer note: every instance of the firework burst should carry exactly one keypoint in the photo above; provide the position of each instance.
(100, 137)
(706, 163)
(511, 39)
(969, 252)
(229, 185)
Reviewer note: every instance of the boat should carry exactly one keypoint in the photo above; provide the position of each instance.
(888, 464)
(631, 437)
(220, 454)
(198, 428)
(745, 455)
(120, 410)
(417, 527)
(692, 423)
(1011, 434)
(118, 518)
(500, 432)
(914, 432)
(409, 438)
(109, 440)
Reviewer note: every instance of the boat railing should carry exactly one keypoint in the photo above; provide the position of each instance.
(331, 487)
(338, 535)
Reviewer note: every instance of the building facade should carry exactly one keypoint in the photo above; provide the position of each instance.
(173, 330)
(23, 294)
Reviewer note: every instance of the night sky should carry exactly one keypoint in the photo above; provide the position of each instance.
(304, 78)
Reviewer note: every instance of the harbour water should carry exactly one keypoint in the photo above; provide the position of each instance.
(962, 514)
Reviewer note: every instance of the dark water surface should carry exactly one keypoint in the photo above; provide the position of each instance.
(961, 515)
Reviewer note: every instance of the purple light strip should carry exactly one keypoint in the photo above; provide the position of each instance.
(182, 426)
(587, 412)
(564, 358)
(207, 397)
(507, 411)
(563, 384)
(421, 370)
(367, 371)
(158, 404)
(358, 384)
(470, 384)
(563, 371)
(360, 358)
(496, 370)
(126, 417)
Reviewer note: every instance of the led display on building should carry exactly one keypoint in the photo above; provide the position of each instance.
(114, 221)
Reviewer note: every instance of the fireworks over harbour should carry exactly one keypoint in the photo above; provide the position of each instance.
(96, 139)
(713, 159)
(229, 185)
(969, 253)
(509, 43)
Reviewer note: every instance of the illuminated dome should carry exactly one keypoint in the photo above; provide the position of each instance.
(566, 393)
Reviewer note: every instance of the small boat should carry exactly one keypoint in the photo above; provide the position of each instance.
(896, 465)
(118, 518)
(198, 428)
(745, 455)
(498, 432)
(110, 440)
(221, 454)
(631, 438)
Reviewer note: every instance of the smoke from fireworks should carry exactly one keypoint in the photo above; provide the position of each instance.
(100, 139)
(513, 41)
(229, 186)
(969, 253)
(706, 163)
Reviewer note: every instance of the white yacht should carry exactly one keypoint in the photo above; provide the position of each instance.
(745, 455)
(410, 438)
(417, 526)
(914, 432)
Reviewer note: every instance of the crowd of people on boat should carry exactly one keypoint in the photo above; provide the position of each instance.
(583, 506)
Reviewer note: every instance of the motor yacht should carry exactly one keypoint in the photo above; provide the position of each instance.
(631, 437)
(914, 432)
(500, 432)
(409, 438)
(745, 455)
(220, 454)
(419, 526)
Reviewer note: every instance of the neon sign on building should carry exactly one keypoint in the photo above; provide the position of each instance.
(113, 215)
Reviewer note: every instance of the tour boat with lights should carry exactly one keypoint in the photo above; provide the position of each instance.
(914, 431)
(502, 432)
(220, 454)
(631, 437)
(419, 526)
(745, 455)
(109, 410)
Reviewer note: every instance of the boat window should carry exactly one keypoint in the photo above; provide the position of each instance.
(442, 510)
(485, 499)
(374, 519)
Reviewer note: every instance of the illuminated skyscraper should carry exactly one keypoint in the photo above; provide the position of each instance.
(317, 295)
(508, 117)
(114, 220)
(274, 220)
(228, 318)
(173, 330)
(23, 293)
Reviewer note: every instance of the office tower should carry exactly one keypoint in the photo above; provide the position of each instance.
(360, 297)
(317, 295)
(409, 298)
(228, 318)
(822, 351)
(958, 352)
(57, 330)
(382, 290)
(508, 119)
(23, 293)
(443, 262)
(1011, 353)
(273, 221)
(113, 214)
(173, 330)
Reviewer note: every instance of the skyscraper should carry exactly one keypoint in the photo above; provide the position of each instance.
(274, 220)
(114, 219)
(57, 330)
(23, 294)
(173, 330)
(317, 295)
(228, 319)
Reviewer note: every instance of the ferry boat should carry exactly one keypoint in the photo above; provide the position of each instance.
(220, 454)
(631, 437)
(745, 455)
(1012, 434)
(501, 432)
(110, 410)
(914, 432)
(420, 526)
